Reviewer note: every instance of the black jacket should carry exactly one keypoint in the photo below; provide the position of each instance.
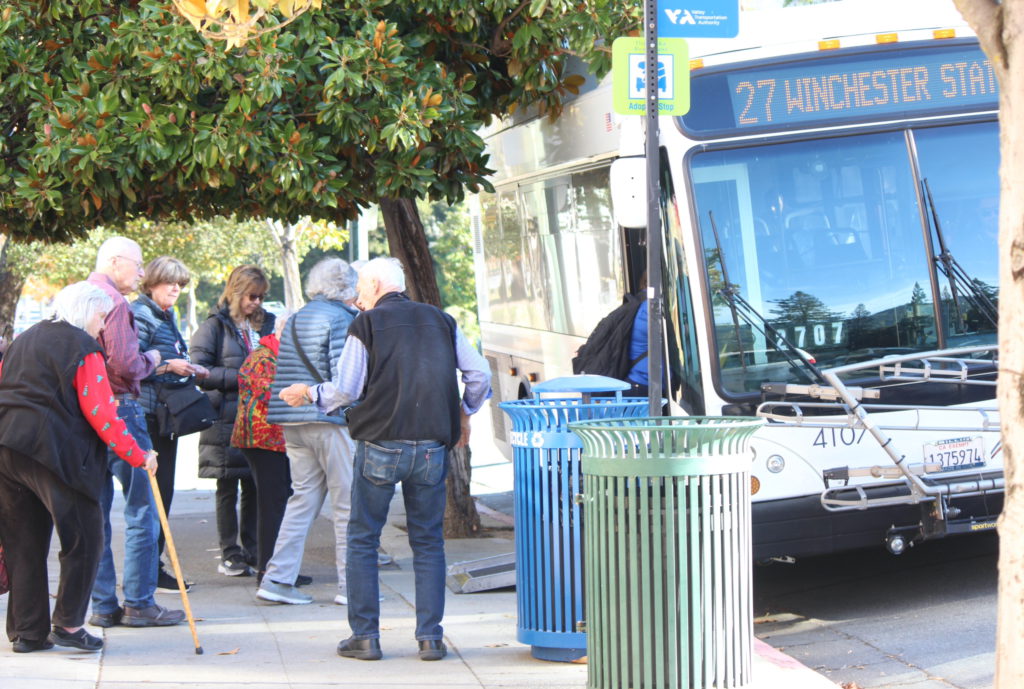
(219, 347)
(39, 412)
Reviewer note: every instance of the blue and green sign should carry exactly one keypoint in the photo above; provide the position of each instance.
(629, 76)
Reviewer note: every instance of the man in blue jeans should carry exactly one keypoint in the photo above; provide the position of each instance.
(118, 270)
(399, 362)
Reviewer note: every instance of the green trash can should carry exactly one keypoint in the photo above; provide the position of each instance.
(667, 551)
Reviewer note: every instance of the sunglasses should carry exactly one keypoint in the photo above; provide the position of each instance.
(257, 297)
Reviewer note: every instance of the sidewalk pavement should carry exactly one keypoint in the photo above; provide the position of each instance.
(257, 645)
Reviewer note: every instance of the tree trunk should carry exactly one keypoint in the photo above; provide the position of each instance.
(287, 236)
(191, 321)
(999, 27)
(408, 243)
(10, 292)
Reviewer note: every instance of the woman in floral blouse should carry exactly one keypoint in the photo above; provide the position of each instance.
(262, 443)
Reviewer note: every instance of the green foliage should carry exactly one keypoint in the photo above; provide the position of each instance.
(451, 246)
(112, 111)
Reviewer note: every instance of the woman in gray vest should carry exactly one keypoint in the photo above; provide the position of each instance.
(319, 447)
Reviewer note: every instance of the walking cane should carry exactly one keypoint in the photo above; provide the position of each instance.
(174, 560)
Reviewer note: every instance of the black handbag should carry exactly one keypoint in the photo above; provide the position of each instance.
(182, 408)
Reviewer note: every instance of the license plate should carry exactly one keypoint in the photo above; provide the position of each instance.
(956, 453)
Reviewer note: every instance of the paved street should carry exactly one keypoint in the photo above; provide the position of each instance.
(923, 620)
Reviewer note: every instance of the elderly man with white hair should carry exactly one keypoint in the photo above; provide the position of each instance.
(318, 444)
(118, 271)
(400, 363)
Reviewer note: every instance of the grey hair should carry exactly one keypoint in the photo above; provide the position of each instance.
(76, 303)
(111, 248)
(332, 278)
(386, 270)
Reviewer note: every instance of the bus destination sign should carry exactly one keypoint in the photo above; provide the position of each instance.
(843, 89)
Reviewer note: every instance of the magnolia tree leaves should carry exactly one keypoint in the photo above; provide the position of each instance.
(113, 111)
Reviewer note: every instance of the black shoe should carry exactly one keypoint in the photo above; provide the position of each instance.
(361, 649)
(107, 619)
(166, 583)
(432, 649)
(303, 580)
(234, 566)
(81, 639)
(28, 645)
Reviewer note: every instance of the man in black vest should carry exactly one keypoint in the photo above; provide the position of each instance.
(398, 367)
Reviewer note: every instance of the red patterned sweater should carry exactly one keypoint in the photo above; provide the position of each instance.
(254, 379)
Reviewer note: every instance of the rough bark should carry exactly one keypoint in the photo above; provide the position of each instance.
(287, 236)
(408, 243)
(10, 292)
(999, 27)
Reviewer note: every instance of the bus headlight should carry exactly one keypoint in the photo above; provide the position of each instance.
(775, 463)
(755, 485)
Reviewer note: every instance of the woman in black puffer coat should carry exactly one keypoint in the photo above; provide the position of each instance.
(221, 344)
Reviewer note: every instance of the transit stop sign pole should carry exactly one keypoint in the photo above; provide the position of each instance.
(651, 77)
(651, 150)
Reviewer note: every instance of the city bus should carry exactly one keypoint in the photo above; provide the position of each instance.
(829, 209)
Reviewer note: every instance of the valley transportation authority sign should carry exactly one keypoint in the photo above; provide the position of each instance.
(698, 18)
(629, 76)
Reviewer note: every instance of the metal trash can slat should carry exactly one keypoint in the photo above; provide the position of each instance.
(667, 552)
(549, 534)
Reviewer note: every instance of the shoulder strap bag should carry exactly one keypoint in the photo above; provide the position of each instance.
(302, 355)
(182, 408)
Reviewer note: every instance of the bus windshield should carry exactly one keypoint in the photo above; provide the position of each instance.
(833, 242)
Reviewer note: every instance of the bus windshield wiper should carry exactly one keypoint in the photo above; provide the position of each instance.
(743, 309)
(958, 278)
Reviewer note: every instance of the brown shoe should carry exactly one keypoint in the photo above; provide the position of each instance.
(153, 616)
(107, 619)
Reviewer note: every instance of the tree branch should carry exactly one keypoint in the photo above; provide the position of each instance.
(501, 47)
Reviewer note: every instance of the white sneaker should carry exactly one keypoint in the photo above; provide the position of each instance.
(282, 593)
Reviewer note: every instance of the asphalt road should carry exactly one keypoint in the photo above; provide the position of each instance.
(867, 619)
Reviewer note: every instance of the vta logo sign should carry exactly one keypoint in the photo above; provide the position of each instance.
(680, 17)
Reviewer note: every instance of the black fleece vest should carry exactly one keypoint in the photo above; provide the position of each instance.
(412, 391)
(39, 412)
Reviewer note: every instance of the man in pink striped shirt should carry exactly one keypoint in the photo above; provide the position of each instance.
(118, 271)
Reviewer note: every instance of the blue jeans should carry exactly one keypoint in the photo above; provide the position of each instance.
(421, 467)
(142, 526)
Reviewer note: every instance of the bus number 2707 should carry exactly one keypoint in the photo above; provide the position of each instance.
(834, 437)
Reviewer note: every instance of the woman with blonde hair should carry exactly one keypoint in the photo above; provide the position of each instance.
(220, 344)
(157, 322)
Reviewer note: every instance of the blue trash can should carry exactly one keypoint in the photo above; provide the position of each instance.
(548, 520)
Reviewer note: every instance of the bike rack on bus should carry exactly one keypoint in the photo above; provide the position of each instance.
(923, 484)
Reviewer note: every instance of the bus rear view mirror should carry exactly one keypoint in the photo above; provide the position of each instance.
(628, 178)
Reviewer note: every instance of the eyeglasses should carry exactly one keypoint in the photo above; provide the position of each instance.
(138, 264)
(257, 297)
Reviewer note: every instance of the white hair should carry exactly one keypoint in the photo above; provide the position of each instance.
(387, 271)
(332, 278)
(115, 246)
(76, 303)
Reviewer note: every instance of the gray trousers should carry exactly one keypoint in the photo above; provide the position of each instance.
(320, 456)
